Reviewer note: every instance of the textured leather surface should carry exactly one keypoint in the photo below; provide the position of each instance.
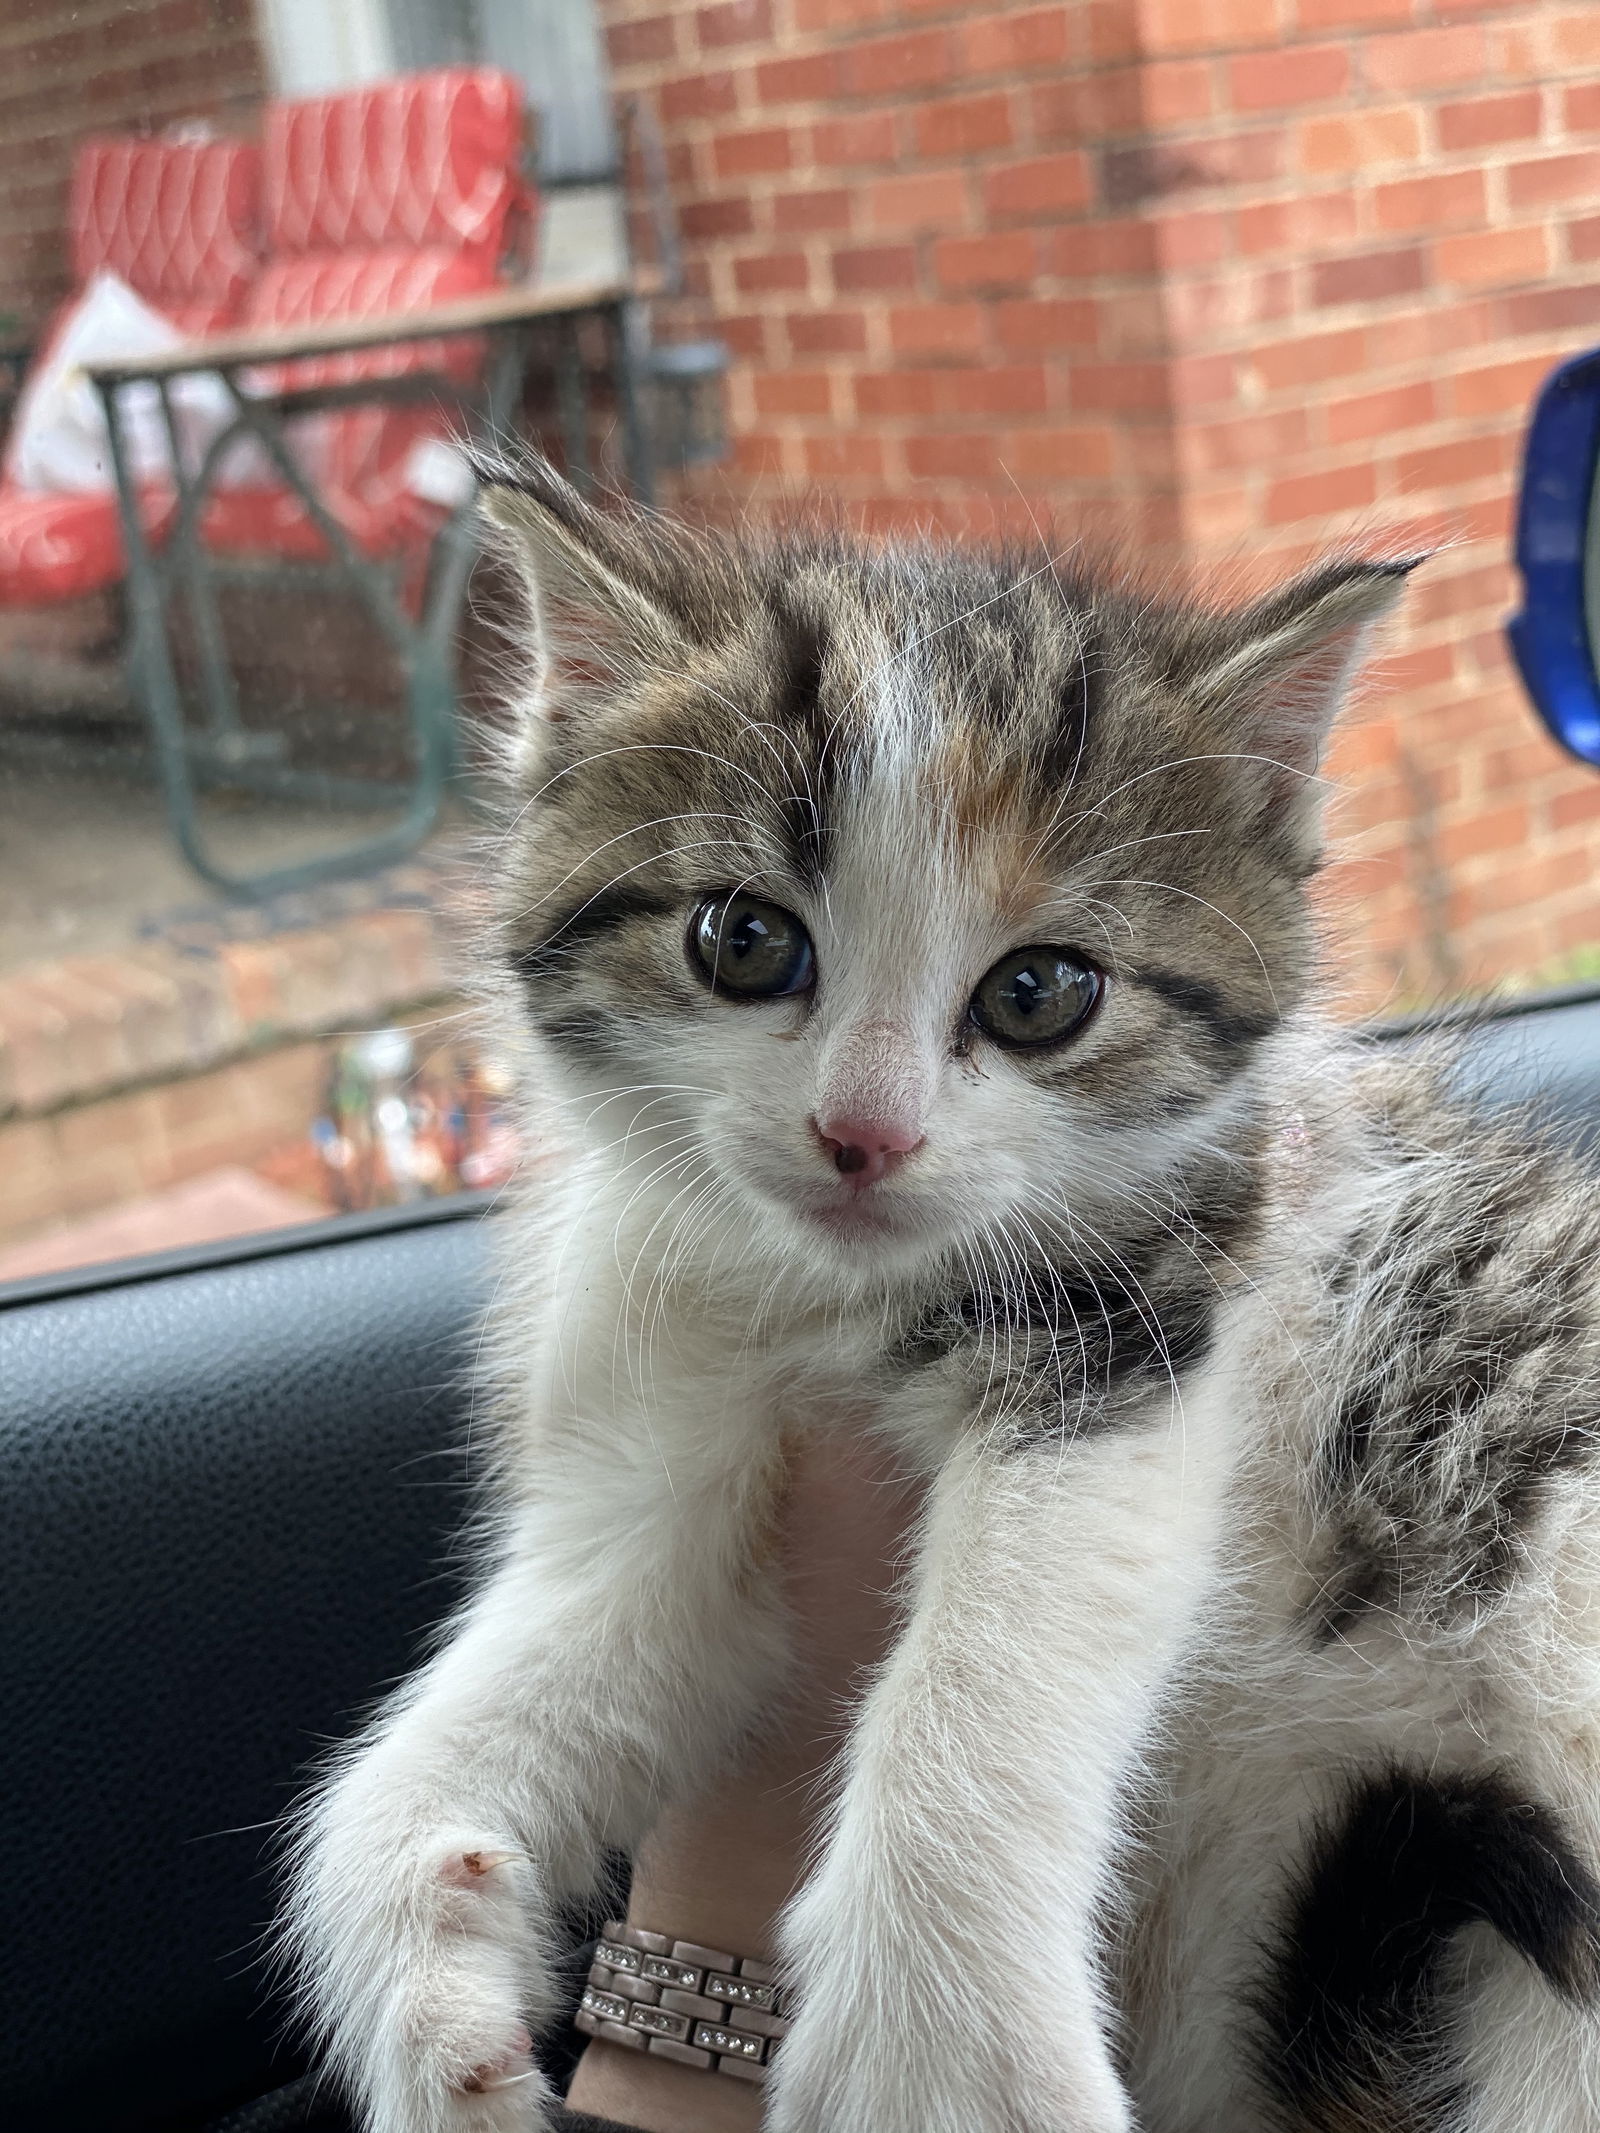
(227, 1497)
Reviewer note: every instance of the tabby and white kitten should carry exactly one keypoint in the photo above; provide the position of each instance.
(917, 943)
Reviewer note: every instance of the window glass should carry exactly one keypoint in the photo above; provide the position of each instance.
(1217, 293)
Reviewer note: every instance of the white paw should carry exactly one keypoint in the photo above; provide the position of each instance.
(426, 1979)
(899, 2033)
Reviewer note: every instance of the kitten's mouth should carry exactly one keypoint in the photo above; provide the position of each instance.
(861, 1215)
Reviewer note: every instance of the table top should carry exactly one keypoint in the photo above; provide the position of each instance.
(505, 306)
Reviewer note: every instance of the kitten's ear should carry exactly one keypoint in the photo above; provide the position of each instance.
(1272, 676)
(618, 574)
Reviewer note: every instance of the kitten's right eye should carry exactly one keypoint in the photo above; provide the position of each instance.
(744, 945)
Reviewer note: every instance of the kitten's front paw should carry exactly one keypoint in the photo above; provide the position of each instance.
(897, 2033)
(424, 1979)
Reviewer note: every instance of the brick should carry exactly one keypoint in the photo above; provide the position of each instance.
(747, 336)
(1314, 15)
(813, 79)
(1017, 44)
(1551, 310)
(894, 66)
(971, 457)
(1308, 361)
(1088, 107)
(1554, 180)
(893, 394)
(944, 331)
(849, 458)
(1575, 39)
(1569, 809)
(1425, 59)
(1118, 387)
(831, 15)
(927, 200)
(1315, 222)
(794, 392)
(1501, 829)
(753, 154)
(736, 22)
(1368, 277)
(1580, 108)
(1284, 80)
(1361, 140)
(757, 455)
(1045, 185)
(1583, 238)
(1484, 121)
(705, 220)
(648, 41)
(996, 389)
(1244, 441)
(1048, 323)
(1320, 495)
(811, 211)
(1082, 452)
(827, 332)
(866, 137)
(881, 266)
(764, 272)
(1217, 26)
(1174, 92)
(695, 96)
(1197, 381)
(1002, 261)
(1486, 257)
(1200, 239)
(1114, 30)
(1380, 414)
(964, 126)
(1430, 204)
(1451, 466)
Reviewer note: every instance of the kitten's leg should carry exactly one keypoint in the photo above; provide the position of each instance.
(612, 1655)
(946, 1948)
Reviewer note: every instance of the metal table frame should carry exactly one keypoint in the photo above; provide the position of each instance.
(508, 318)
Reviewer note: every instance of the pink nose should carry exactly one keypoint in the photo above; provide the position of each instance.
(865, 1150)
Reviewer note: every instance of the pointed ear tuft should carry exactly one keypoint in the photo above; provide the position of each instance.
(618, 570)
(1284, 661)
(1272, 678)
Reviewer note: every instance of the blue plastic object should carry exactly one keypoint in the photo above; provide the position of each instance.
(1550, 638)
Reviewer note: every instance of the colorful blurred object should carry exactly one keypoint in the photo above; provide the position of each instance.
(397, 1126)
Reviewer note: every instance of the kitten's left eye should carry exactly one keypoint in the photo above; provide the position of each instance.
(747, 946)
(1036, 996)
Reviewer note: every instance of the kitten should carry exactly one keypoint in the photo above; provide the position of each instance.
(917, 945)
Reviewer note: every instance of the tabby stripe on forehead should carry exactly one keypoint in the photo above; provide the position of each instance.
(803, 642)
(1203, 1003)
(597, 915)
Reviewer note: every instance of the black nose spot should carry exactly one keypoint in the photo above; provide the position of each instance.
(848, 1157)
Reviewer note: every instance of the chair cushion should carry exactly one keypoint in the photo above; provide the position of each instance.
(358, 459)
(419, 161)
(336, 285)
(56, 547)
(176, 220)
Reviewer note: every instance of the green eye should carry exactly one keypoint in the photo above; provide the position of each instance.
(1036, 996)
(747, 946)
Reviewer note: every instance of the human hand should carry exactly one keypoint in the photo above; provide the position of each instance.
(720, 1868)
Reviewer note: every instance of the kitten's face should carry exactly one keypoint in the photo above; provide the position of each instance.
(884, 907)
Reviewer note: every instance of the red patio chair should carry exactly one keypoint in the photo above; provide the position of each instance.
(380, 202)
(177, 221)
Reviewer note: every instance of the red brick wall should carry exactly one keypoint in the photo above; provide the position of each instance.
(1242, 276)
(102, 65)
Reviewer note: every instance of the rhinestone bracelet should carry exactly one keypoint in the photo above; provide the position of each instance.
(700, 2006)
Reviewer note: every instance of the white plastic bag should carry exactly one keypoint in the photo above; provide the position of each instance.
(58, 439)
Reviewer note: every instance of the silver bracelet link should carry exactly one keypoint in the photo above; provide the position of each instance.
(703, 2007)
